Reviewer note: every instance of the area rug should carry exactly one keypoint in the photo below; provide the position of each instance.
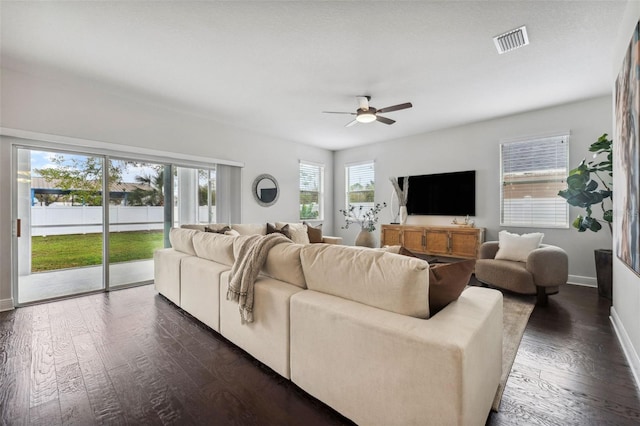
(516, 313)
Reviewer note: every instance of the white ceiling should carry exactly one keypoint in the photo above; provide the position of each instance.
(273, 67)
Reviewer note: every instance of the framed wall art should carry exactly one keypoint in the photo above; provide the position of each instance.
(627, 157)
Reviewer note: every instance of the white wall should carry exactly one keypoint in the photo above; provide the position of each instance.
(476, 147)
(75, 109)
(626, 284)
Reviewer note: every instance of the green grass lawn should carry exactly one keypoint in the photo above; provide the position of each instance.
(71, 251)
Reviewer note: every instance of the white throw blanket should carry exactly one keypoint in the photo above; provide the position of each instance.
(251, 256)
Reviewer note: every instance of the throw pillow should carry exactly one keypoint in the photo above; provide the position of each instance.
(446, 283)
(314, 233)
(217, 229)
(446, 280)
(298, 232)
(406, 252)
(232, 232)
(517, 247)
(271, 229)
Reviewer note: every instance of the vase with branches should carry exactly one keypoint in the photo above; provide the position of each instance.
(402, 194)
(366, 218)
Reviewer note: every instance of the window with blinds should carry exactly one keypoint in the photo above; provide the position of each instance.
(532, 173)
(311, 191)
(360, 182)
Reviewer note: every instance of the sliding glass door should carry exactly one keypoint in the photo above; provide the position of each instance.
(138, 215)
(65, 228)
(60, 224)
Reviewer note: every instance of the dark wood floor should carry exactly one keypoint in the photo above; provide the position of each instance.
(132, 357)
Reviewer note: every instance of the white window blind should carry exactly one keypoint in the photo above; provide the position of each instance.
(311, 191)
(532, 173)
(360, 182)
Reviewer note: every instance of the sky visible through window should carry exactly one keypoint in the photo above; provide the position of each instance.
(43, 160)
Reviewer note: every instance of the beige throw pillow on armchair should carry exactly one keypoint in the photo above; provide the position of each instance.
(517, 247)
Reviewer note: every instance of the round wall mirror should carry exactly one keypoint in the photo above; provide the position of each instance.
(265, 190)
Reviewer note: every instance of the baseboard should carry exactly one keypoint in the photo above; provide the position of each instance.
(627, 347)
(6, 304)
(583, 281)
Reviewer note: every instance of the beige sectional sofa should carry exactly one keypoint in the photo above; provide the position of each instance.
(348, 325)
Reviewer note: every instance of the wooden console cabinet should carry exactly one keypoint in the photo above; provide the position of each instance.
(449, 241)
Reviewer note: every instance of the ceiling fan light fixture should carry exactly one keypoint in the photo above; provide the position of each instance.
(366, 116)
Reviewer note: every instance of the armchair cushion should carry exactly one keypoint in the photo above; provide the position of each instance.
(517, 247)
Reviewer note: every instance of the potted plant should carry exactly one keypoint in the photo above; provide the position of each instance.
(590, 184)
(367, 219)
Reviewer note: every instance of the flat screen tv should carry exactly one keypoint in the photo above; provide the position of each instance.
(442, 194)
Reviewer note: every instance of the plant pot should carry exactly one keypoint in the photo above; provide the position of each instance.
(604, 272)
(365, 239)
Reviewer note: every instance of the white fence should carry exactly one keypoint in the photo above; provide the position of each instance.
(62, 220)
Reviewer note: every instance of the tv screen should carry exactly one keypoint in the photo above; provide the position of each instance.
(443, 194)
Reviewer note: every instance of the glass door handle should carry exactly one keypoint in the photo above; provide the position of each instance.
(18, 227)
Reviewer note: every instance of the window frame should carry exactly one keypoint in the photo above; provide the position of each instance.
(347, 175)
(320, 172)
(536, 222)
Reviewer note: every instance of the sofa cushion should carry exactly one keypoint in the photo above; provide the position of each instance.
(250, 228)
(182, 240)
(283, 263)
(387, 281)
(517, 247)
(298, 232)
(447, 281)
(314, 233)
(214, 246)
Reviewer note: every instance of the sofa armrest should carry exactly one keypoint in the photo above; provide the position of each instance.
(488, 250)
(549, 266)
(379, 367)
(331, 240)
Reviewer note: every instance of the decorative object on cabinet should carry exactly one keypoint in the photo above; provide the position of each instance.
(402, 194)
(366, 218)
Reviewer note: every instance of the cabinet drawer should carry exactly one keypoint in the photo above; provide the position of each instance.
(464, 245)
(437, 242)
(413, 239)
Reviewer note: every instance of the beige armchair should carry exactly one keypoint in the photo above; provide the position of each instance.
(546, 269)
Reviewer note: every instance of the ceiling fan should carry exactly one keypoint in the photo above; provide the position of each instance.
(368, 114)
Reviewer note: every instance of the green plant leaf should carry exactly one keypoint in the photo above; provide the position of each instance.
(591, 186)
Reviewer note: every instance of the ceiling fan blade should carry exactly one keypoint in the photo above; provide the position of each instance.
(351, 123)
(385, 120)
(396, 107)
(338, 112)
(363, 101)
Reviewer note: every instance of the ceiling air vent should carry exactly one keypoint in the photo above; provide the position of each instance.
(511, 40)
